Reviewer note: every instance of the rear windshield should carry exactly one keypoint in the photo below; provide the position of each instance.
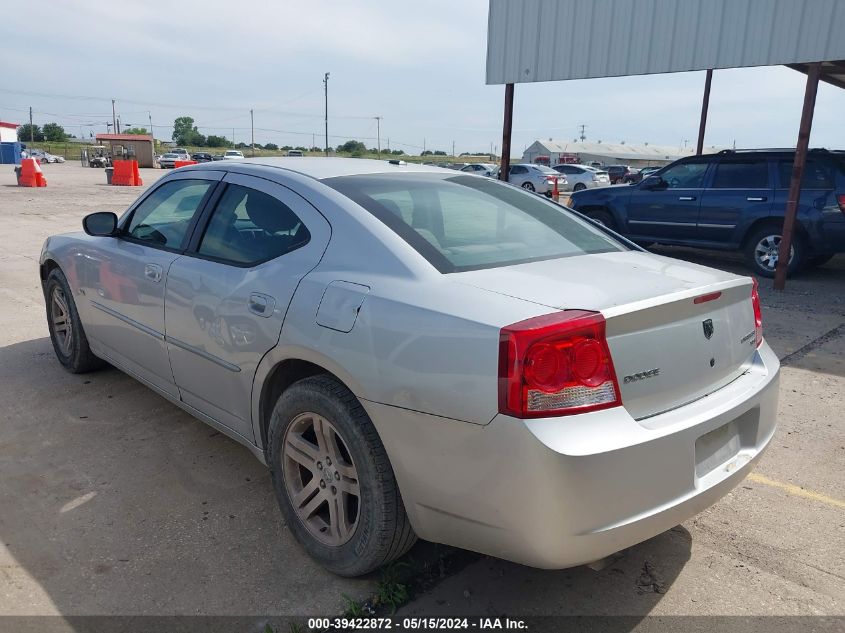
(463, 222)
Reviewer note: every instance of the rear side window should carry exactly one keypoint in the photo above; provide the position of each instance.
(519, 169)
(818, 174)
(249, 227)
(464, 223)
(750, 174)
(163, 218)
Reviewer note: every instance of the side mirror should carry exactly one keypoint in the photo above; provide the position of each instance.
(653, 182)
(102, 223)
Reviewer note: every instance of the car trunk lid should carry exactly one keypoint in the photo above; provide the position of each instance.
(676, 331)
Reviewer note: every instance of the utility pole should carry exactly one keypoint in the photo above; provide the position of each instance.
(118, 125)
(453, 149)
(252, 131)
(31, 129)
(113, 116)
(326, 94)
(423, 146)
(583, 136)
(378, 134)
(313, 140)
(233, 138)
(150, 114)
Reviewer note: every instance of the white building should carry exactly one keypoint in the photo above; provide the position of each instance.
(635, 155)
(8, 132)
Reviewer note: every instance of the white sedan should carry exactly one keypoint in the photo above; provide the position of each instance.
(421, 352)
(233, 154)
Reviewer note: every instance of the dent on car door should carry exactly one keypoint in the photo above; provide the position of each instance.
(125, 278)
(671, 210)
(226, 299)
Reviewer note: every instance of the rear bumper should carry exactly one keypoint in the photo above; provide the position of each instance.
(559, 492)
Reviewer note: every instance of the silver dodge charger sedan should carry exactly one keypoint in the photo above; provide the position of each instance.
(416, 352)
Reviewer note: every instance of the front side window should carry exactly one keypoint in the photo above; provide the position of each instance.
(745, 174)
(688, 175)
(163, 218)
(463, 223)
(248, 227)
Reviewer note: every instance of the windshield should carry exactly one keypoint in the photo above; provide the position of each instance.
(463, 223)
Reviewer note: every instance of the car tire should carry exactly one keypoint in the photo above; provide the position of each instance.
(321, 441)
(528, 186)
(602, 217)
(761, 251)
(66, 332)
(579, 186)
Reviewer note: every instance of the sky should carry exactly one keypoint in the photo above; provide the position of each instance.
(420, 65)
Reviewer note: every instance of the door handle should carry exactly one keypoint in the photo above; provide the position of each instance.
(756, 198)
(686, 198)
(261, 304)
(152, 272)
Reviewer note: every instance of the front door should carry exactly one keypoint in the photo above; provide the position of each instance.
(125, 277)
(669, 211)
(226, 298)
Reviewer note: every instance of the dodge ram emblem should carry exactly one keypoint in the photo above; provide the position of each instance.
(708, 328)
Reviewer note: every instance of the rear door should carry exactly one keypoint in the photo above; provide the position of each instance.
(227, 297)
(740, 191)
(670, 211)
(124, 278)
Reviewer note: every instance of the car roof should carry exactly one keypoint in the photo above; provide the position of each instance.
(322, 167)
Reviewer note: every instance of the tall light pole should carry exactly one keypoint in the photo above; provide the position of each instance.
(252, 131)
(150, 115)
(113, 116)
(326, 93)
(378, 134)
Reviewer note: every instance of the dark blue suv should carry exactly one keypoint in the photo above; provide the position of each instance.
(734, 200)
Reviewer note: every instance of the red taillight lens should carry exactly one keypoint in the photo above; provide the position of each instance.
(841, 200)
(758, 314)
(556, 364)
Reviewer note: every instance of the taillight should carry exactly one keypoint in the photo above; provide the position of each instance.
(556, 364)
(841, 200)
(758, 314)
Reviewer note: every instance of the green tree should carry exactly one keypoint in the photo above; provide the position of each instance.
(27, 134)
(398, 152)
(355, 148)
(217, 141)
(54, 132)
(186, 133)
(131, 130)
(270, 146)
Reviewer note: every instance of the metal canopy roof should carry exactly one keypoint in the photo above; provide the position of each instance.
(549, 40)
(831, 72)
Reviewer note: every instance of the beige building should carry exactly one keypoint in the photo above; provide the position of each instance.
(138, 147)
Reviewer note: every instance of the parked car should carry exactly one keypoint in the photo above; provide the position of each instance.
(181, 151)
(46, 157)
(647, 171)
(580, 177)
(233, 154)
(295, 152)
(202, 157)
(617, 173)
(481, 169)
(218, 157)
(633, 175)
(415, 353)
(168, 160)
(537, 178)
(733, 200)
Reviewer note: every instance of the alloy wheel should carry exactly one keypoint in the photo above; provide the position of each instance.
(321, 479)
(62, 322)
(766, 252)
